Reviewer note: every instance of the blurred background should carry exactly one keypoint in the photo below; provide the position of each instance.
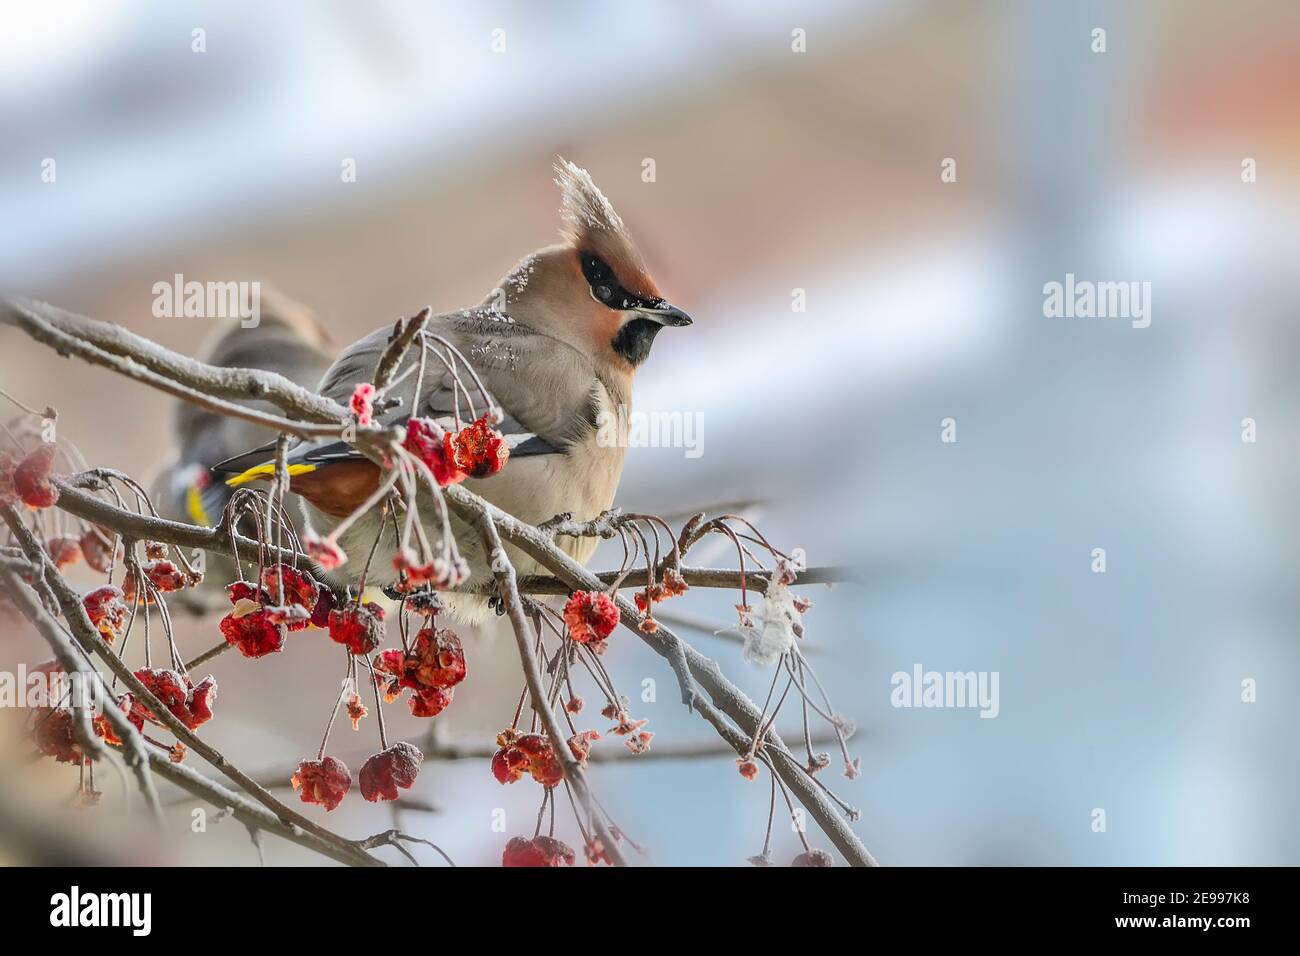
(775, 171)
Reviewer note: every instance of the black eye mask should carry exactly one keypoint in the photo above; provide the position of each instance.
(606, 289)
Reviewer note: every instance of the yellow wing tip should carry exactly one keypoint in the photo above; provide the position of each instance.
(194, 505)
(266, 470)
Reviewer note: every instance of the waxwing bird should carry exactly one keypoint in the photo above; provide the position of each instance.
(288, 339)
(556, 344)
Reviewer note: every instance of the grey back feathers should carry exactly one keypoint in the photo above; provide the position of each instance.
(544, 386)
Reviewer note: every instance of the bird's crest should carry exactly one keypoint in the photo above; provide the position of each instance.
(593, 227)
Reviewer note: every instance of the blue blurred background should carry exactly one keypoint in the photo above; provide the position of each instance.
(776, 170)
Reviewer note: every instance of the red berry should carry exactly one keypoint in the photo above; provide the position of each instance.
(362, 403)
(323, 782)
(580, 745)
(98, 548)
(31, 479)
(590, 616)
(508, 765)
(255, 634)
(748, 769)
(298, 588)
(359, 627)
(128, 706)
(429, 443)
(189, 703)
(542, 762)
(320, 614)
(107, 611)
(64, 551)
(251, 626)
(356, 710)
(480, 450)
(324, 551)
(539, 851)
(55, 737)
(383, 773)
(431, 702)
(813, 858)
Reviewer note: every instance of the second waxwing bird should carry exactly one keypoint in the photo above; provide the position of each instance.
(288, 339)
(557, 344)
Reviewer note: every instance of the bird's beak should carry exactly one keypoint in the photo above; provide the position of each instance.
(665, 314)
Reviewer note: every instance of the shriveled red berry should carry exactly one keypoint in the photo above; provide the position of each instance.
(430, 702)
(439, 658)
(542, 762)
(508, 765)
(97, 547)
(104, 728)
(252, 627)
(391, 666)
(163, 575)
(322, 782)
(813, 858)
(54, 737)
(480, 449)
(324, 551)
(384, 773)
(414, 573)
(64, 551)
(436, 448)
(298, 587)
(423, 603)
(591, 616)
(639, 743)
(320, 614)
(580, 745)
(356, 710)
(107, 610)
(748, 769)
(31, 479)
(539, 851)
(358, 627)
(191, 704)
(255, 634)
(363, 403)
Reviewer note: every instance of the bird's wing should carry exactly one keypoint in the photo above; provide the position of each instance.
(546, 390)
(543, 386)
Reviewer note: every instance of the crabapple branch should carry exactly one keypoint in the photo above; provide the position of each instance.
(247, 812)
(504, 572)
(696, 578)
(741, 724)
(222, 540)
(73, 661)
(75, 614)
(69, 333)
(726, 697)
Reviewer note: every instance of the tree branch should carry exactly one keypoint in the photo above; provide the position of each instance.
(504, 572)
(75, 614)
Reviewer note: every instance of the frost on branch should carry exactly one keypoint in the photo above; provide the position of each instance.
(278, 597)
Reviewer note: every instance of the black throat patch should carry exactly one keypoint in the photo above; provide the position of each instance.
(634, 340)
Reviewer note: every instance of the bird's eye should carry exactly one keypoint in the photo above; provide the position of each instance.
(603, 293)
